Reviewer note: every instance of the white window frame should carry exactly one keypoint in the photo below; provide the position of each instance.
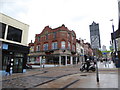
(54, 45)
(45, 46)
(38, 48)
(32, 49)
(63, 44)
(68, 45)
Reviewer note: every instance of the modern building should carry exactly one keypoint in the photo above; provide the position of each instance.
(119, 14)
(104, 48)
(13, 38)
(95, 35)
(54, 46)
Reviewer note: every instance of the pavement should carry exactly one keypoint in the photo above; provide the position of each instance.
(63, 77)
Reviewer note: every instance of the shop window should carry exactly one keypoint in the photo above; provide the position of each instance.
(14, 34)
(18, 55)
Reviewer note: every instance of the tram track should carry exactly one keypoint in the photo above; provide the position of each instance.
(51, 80)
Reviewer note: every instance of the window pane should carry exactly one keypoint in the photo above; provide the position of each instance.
(38, 39)
(32, 49)
(54, 35)
(2, 30)
(68, 45)
(63, 44)
(45, 46)
(54, 45)
(38, 48)
(14, 34)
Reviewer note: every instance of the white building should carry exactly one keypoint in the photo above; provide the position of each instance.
(80, 50)
(13, 38)
(104, 48)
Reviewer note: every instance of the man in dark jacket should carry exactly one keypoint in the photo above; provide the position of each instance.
(88, 64)
(8, 69)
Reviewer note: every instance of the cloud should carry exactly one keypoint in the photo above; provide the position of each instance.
(77, 15)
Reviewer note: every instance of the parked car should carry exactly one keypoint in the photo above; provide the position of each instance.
(28, 66)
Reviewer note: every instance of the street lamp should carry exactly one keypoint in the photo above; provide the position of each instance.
(117, 62)
(114, 39)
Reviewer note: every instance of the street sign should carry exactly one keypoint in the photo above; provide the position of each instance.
(104, 53)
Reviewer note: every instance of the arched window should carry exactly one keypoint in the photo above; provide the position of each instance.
(73, 47)
(45, 46)
(54, 45)
(68, 45)
(63, 44)
(32, 49)
(38, 48)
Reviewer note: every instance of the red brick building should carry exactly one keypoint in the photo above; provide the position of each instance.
(88, 51)
(57, 46)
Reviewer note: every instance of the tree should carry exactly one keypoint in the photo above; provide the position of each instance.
(97, 53)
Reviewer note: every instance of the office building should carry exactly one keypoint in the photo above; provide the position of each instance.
(95, 35)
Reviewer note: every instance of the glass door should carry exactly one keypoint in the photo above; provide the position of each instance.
(5, 61)
(18, 65)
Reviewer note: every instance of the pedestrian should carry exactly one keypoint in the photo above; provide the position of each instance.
(88, 64)
(85, 56)
(8, 69)
(106, 62)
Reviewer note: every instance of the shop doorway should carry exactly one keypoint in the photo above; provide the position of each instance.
(5, 61)
(18, 65)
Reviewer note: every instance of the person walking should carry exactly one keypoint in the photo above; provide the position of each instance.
(88, 64)
(8, 69)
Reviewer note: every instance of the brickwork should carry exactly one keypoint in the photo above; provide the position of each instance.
(49, 35)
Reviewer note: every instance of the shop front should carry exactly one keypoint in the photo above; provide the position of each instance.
(16, 55)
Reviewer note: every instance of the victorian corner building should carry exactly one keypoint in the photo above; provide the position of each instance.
(56, 46)
(13, 43)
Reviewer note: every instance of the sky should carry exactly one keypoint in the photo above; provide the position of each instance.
(77, 15)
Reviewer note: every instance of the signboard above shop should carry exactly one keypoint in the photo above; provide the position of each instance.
(5, 46)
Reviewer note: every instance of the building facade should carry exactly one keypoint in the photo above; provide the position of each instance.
(119, 14)
(117, 37)
(56, 46)
(88, 51)
(104, 48)
(13, 38)
(95, 35)
(80, 49)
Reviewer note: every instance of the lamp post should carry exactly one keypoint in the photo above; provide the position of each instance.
(97, 73)
(114, 39)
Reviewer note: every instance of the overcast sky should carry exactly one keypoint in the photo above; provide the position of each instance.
(77, 15)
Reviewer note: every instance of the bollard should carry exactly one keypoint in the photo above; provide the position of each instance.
(97, 74)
